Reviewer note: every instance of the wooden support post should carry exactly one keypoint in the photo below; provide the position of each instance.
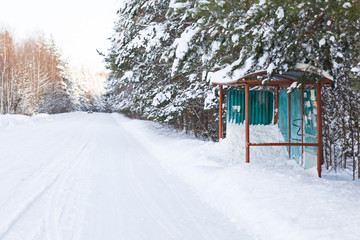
(319, 129)
(289, 122)
(247, 124)
(220, 112)
(302, 126)
(276, 115)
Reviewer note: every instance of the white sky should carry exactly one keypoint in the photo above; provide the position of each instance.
(79, 27)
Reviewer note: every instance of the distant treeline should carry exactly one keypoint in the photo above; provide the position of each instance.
(35, 79)
(163, 52)
(31, 78)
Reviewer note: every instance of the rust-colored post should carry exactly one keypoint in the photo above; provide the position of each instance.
(319, 130)
(302, 126)
(276, 117)
(289, 122)
(220, 112)
(247, 124)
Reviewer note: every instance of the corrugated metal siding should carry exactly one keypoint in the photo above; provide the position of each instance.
(261, 107)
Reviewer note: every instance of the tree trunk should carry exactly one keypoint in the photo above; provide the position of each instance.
(352, 147)
(343, 147)
(330, 161)
(358, 127)
(335, 163)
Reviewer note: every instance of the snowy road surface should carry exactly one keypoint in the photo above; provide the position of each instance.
(88, 176)
(103, 176)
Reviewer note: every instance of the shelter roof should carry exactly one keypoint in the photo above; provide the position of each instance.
(300, 74)
(284, 78)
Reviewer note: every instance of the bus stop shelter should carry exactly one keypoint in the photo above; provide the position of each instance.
(296, 79)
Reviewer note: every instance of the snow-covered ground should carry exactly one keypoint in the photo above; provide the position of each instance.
(103, 176)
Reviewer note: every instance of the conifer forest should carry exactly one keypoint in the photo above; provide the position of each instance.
(163, 52)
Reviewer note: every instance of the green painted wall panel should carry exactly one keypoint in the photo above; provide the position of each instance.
(261, 107)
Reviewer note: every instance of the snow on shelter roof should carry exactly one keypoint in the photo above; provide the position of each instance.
(284, 78)
(278, 78)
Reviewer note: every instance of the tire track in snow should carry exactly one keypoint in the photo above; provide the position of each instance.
(146, 160)
(142, 188)
(64, 185)
(138, 191)
(65, 188)
(40, 184)
(13, 215)
(21, 162)
(130, 196)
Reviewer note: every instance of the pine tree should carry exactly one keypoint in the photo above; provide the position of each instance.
(164, 53)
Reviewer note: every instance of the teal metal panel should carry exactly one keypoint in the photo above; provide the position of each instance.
(242, 119)
(261, 107)
(256, 109)
(252, 112)
(283, 115)
(296, 124)
(310, 121)
(228, 106)
(310, 128)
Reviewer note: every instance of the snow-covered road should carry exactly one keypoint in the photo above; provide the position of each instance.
(104, 176)
(88, 176)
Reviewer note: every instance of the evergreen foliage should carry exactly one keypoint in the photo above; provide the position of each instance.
(164, 53)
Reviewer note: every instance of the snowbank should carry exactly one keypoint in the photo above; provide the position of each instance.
(9, 120)
(271, 197)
